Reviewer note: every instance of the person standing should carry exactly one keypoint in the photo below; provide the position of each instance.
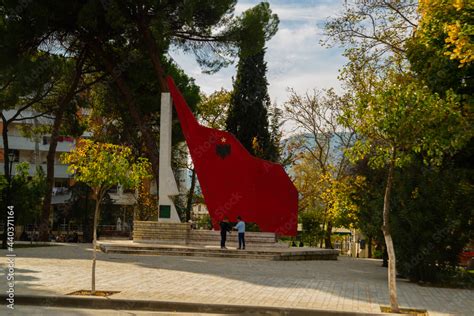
(241, 229)
(225, 227)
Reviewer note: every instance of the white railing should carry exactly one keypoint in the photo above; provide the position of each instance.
(23, 143)
(60, 171)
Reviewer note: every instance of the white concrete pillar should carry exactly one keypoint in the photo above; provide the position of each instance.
(167, 183)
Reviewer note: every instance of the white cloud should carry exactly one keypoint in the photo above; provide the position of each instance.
(300, 11)
(294, 56)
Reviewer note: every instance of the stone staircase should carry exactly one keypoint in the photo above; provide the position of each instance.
(178, 239)
(198, 252)
(290, 254)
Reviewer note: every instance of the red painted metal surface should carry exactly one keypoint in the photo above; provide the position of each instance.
(233, 181)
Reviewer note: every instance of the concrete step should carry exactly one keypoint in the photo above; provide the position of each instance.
(312, 254)
(217, 240)
(197, 253)
(234, 243)
(176, 249)
(215, 232)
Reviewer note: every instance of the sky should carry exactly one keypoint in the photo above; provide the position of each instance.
(295, 58)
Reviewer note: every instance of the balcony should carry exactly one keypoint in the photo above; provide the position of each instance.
(60, 171)
(23, 143)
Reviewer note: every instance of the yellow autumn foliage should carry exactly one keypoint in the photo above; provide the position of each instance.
(453, 19)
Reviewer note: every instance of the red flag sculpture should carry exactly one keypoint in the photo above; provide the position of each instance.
(234, 182)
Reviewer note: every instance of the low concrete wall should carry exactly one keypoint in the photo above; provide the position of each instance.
(206, 237)
(159, 232)
(182, 234)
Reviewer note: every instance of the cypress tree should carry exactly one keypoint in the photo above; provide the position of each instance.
(248, 114)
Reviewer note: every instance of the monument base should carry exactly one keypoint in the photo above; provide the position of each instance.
(274, 253)
(178, 239)
(183, 234)
(161, 232)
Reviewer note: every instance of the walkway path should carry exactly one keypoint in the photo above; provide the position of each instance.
(346, 285)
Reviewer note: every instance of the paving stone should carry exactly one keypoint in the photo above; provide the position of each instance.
(346, 284)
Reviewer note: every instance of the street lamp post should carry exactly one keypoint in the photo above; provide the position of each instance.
(11, 156)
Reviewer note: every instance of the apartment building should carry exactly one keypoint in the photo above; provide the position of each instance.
(34, 150)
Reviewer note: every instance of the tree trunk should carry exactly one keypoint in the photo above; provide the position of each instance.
(369, 247)
(6, 169)
(58, 120)
(6, 158)
(134, 111)
(327, 240)
(153, 51)
(322, 235)
(385, 257)
(392, 280)
(98, 195)
(189, 203)
(86, 223)
(45, 212)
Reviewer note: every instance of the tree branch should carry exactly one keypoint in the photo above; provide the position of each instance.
(390, 5)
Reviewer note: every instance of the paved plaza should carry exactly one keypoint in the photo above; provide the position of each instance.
(345, 285)
(61, 311)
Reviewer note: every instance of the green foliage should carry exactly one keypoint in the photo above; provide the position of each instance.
(369, 198)
(102, 166)
(448, 25)
(147, 204)
(432, 219)
(312, 222)
(258, 25)
(441, 51)
(80, 207)
(407, 121)
(26, 80)
(26, 193)
(320, 161)
(212, 110)
(276, 134)
(204, 222)
(432, 213)
(248, 116)
(110, 119)
(406, 118)
(251, 227)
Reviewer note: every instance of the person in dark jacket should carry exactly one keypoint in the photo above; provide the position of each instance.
(225, 227)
